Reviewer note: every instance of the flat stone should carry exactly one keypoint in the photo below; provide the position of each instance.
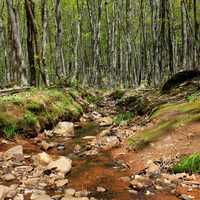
(8, 177)
(61, 183)
(3, 192)
(62, 165)
(14, 152)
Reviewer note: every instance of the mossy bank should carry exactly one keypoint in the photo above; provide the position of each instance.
(30, 112)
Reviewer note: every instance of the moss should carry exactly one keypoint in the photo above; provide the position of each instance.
(147, 136)
(37, 108)
(189, 163)
(144, 138)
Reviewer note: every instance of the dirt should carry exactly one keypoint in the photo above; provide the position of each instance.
(108, 167)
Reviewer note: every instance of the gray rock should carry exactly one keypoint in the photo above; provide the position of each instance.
(42, 159)
(186, 197)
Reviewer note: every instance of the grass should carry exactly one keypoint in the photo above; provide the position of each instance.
(182, 114)
(189, 163)
(123, 118)
(37, 108)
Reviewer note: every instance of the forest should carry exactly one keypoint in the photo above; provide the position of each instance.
(106, 43)
(99, 100)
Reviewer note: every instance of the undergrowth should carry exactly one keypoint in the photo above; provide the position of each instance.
(189, 163)
(123, 118)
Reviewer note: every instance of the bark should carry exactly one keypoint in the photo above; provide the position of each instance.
(59, 59)
(16, 40)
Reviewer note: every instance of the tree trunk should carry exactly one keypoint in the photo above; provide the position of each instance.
(16, 40)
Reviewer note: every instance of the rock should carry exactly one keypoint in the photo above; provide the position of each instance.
(186, 197)
(8, 177)
(62, 165)
(46, 146)
(40, 196)
(12, 191)
(152, 169)
(19, 197)
(133, 192)
(88, 137)
(61, 147)
(64, 129)
(101, 189)
(14, 152)
(77, 148)
(61, 183)
(42, 159)
(3, 192)
(70, 192)
(105, 121)
(104, 132)
(83, 193)
(137, 185)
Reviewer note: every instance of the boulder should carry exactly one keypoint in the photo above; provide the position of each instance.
(62, 165)
(64, 129)
(14, 152)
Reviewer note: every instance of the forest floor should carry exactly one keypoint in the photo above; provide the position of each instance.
(125, 146)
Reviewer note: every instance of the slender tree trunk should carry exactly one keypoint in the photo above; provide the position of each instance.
(17, 47)
(59, 59)
(44, 41)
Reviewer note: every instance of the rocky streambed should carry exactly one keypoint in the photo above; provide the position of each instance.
(89, 160)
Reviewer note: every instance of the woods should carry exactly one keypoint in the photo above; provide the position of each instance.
(103, 43)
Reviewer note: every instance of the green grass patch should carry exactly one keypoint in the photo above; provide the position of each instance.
(10, 131)
(188, 164)
(123, 118)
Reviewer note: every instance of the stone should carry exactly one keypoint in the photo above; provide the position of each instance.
(19, 197)
(61, 183)
(138, 185)
(42, 159)
(3, 192)
(83, 193)
(186, 197)
(101, 189)
(40, 195)
(64, 129)
(152, 168)
(133, 192)
(105, 121)
(62, 165)
(12, 191)
(46, 146)
(14, 152)
(70, 192)
(8, 177)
